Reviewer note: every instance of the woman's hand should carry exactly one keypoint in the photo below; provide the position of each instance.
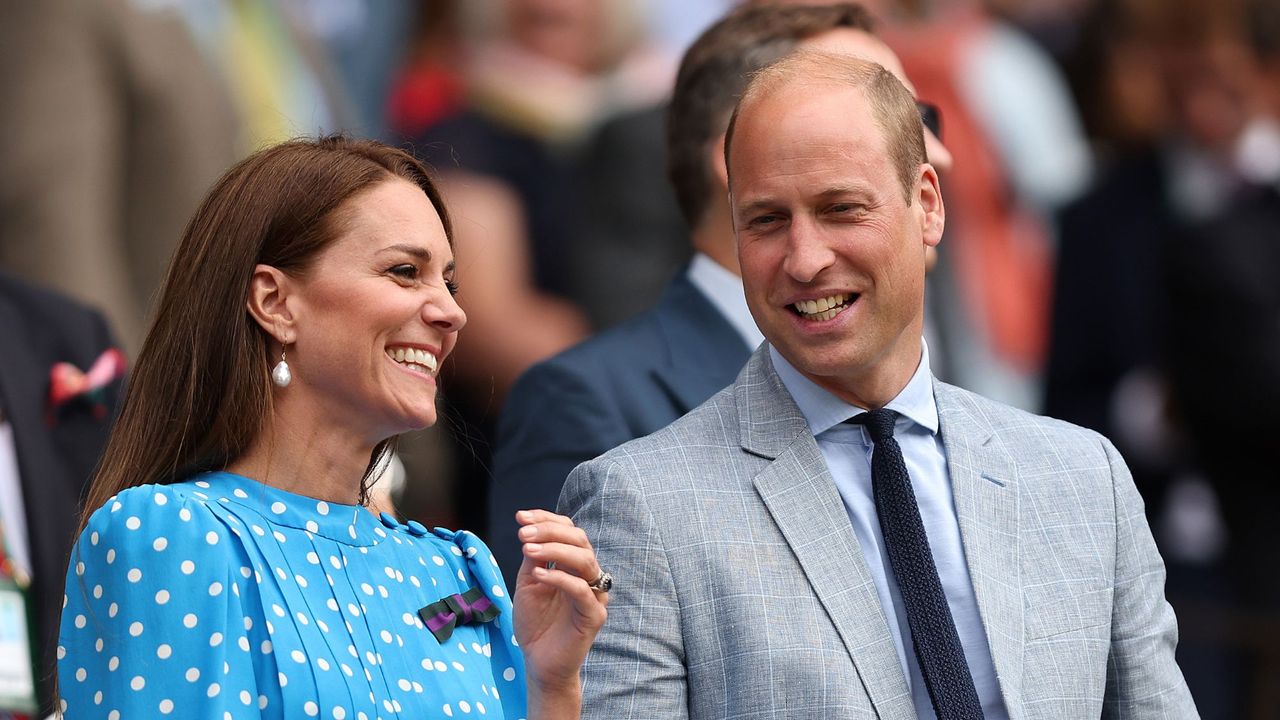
(557, 615)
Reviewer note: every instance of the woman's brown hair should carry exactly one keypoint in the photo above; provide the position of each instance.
(200, 392)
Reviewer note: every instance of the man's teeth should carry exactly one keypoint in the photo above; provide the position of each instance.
(414, 359)
(823, 308)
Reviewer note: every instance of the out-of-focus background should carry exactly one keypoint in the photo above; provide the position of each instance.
(1112, 255)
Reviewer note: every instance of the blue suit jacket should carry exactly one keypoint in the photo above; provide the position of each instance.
(622, 384)
(57, 448)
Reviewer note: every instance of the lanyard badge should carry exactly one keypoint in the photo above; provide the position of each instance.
(17, 663)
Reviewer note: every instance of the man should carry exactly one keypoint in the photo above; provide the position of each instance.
(641, 376)
(838, 534)
(50, 439)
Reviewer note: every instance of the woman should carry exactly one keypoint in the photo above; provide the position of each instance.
(226, 567)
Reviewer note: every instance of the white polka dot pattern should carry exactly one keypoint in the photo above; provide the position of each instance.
(220, 597)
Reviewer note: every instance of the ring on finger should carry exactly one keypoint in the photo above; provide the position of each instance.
(603, 583)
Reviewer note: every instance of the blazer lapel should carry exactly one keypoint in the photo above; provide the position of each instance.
(705, 352)
(803, 501)
(985, 483)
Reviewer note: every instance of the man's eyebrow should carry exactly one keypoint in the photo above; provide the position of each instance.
(416, 251)
(756, 205)
(840, 191)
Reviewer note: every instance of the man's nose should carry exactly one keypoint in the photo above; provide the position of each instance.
(807, 252)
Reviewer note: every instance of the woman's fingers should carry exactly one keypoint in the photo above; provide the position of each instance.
(588, 602)
(557, 546)
(551, 531)
(576, 560)
(528, 517)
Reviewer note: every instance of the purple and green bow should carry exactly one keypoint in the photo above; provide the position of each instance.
(469, 608)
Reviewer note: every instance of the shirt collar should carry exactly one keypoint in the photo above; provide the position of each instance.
(823, 411)
(724, 290)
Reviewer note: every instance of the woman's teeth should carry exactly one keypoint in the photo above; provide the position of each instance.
(414, 359)
(822, 308)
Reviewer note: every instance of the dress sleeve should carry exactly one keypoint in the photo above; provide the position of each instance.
(506, 659)
(153, 623)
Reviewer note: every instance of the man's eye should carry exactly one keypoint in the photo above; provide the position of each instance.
(451, 286)
(406, 271)
(764, 220)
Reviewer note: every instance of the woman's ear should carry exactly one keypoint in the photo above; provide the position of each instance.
(269, 290)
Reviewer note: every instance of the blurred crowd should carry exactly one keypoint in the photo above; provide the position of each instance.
(1112, 252)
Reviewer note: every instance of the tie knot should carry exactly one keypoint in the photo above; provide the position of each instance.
(878, 422)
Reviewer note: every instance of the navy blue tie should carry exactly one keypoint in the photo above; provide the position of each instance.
(933, 633)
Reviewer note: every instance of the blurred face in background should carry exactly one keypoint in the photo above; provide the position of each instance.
(570, 32)
(1210, 86)
(847, 41)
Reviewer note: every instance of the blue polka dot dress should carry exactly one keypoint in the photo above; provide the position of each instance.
(221, 597)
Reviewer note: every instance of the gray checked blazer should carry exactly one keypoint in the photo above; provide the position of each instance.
(741, 591)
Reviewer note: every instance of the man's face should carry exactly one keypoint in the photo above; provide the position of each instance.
(848, 41)
(832, 255)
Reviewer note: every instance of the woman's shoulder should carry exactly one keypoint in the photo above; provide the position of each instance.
(466, 547)
(152, 518)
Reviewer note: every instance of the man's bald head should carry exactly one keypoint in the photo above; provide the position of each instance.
(892, 105)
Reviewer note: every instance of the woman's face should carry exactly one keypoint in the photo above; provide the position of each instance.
(375, 315)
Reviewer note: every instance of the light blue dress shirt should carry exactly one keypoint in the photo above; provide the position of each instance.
(847, 451)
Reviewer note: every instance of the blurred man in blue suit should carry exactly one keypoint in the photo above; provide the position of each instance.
(644, 374)
(60, 379)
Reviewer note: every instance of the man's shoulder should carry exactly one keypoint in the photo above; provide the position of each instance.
(706, 436)
(1014, 427)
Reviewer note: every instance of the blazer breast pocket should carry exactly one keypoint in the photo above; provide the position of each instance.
(1064, 607)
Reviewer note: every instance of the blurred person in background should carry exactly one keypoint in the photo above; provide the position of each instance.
(112, 123)
(60, 376)
(1020, 153)
(1224, 364)
(1170, 107)
(1164, 314)
(115, 115)
(644, 374)
(364, 43)
(536, 75)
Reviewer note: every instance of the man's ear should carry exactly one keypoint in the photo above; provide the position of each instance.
(934, 213)
(269, 290)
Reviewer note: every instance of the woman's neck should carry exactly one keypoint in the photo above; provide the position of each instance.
(313, 459)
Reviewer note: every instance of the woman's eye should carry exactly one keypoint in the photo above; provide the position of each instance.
(451, 286)
(406, 271)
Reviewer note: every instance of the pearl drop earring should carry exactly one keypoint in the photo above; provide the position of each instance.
(280, 374)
